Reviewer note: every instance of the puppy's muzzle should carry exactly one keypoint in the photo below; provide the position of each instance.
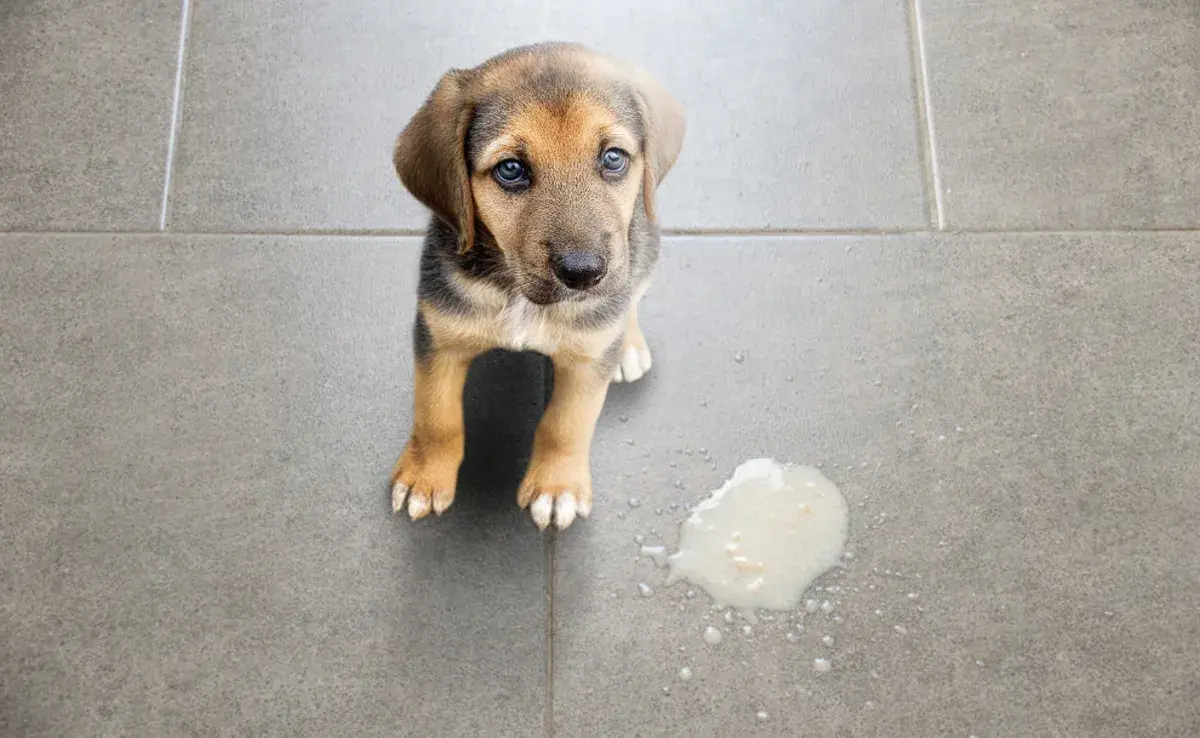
(579, 270)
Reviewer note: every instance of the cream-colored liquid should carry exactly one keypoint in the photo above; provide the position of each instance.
(762, 538)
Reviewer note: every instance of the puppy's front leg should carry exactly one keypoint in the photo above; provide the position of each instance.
(427, 471)
(558, 484)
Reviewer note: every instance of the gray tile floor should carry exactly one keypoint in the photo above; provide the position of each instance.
(957, 244)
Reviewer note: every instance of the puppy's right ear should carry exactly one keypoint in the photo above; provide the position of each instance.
(664, 122)
(431, 160)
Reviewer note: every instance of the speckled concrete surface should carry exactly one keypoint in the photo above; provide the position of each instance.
(198, 413)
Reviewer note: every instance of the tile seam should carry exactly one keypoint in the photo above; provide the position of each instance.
(669, 233)
(176, 115)
(924, 104)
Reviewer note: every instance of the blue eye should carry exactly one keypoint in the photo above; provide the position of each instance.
(614, 161)
(510, 172)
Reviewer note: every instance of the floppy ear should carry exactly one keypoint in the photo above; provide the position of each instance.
(431, 160)
(662, 117)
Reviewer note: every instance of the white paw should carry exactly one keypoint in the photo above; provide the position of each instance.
(563, 509)
(419, 503)
(634, 363)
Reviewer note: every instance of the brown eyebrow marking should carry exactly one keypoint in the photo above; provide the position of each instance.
(564, 130)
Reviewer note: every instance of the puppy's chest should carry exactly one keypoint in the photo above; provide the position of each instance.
(524, 326)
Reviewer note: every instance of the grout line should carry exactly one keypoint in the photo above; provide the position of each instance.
(670, 233)
(549, 718)
(176, 105)
(420, 232)
(726, 232)
(551, 539)
(929, 199)
(933, 178)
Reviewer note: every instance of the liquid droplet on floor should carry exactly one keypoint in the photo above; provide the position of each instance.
(828, 641)
(763, 716)
(685, 674)
(657, 554)
(821, 665)
(645, 589)
(900, 629)
(635, 502)
(712, 636)
(739, 358)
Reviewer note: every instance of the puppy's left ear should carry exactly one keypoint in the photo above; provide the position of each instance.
(431, 160)
(662, 116)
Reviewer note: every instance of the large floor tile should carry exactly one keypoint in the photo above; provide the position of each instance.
(195, 440)
(1014, 422)
(1067, 114)
(87, 90)
(800, 116)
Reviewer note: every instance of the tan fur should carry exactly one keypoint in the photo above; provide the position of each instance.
(560, 143)
(564, 437)
(424, 161)
(569, 202)
(429, 466)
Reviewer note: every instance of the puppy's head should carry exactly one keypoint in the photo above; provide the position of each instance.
(551, 149)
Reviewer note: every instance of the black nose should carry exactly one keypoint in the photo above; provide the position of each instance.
(578, 269)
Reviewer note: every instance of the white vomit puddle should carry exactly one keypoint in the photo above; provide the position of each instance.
(762, 538)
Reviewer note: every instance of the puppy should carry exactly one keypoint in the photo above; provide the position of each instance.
(540, 167)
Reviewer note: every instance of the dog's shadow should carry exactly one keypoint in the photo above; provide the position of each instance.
(484, 554)
(504, 399)
(505, 396)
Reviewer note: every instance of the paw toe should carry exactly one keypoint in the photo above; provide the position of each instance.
(635, 362)
(441, 500)
(564, 510)
(541, 510)
(418, 506)
(399, 494)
